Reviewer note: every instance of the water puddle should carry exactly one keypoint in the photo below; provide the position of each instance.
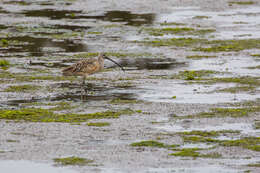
(187, 169)
(151, 63)
(13, 166)
(35, 46)
(125, 17)
(199, 145)
(190, 93)
(244, 128)
(231, 21)
(94, 92)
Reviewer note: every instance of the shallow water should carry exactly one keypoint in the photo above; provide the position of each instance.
(20, 166)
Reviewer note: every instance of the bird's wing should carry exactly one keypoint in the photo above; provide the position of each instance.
(82, 65)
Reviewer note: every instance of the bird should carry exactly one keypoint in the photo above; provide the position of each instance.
(87, 67)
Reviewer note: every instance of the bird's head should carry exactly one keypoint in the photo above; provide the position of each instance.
(103, 55)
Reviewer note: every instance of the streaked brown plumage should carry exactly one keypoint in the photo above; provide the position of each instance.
(87, 67)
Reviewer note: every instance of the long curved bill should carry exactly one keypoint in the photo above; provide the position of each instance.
(115, 63)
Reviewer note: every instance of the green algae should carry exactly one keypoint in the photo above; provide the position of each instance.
(244, 80)
(200, 56)
(257, 125)
(94, 33)
(193, 75)
(124, 101)
(255, 55)
(151, 144)
(251, 143)
(241, 2)
(72, 161)
(22, 88)
(178, 30)
(254, 164)
(187, 152)
(171, 23)
(193, 152)
(200, 17)
(225, 112)
(209, 133)
(42, 115)
(4, 63)
(12, 140)
(114, 54)
(32, 77)
(178, 42)
(238, 89)
(229, 45)
(254, 67)
(198, 139)
(58, 106)
(98, 124)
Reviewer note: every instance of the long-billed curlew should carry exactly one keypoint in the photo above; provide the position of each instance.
(87, 67)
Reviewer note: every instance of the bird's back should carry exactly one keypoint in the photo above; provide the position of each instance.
(83, 67)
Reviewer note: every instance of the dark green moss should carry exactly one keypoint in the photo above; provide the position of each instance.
(42, 115)
(98, 124)
(22, 88)
(151, 144)
(72, 161)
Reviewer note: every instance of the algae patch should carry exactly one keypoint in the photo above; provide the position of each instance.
(22, 88)
(4, 63)
(193, 152)
(225, 112)
(241, 2)
(98, 124)
(199, 56)
(42, 115)
(251, 143)
(151, 144)
(72, 161)
(209, 133)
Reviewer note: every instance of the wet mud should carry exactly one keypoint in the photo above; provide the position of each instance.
(188, 100)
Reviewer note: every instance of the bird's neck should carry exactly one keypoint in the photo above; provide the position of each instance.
(101, 61)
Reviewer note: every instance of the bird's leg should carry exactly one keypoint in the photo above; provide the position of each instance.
(83, 80)
(84, 90)
(82, 87)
